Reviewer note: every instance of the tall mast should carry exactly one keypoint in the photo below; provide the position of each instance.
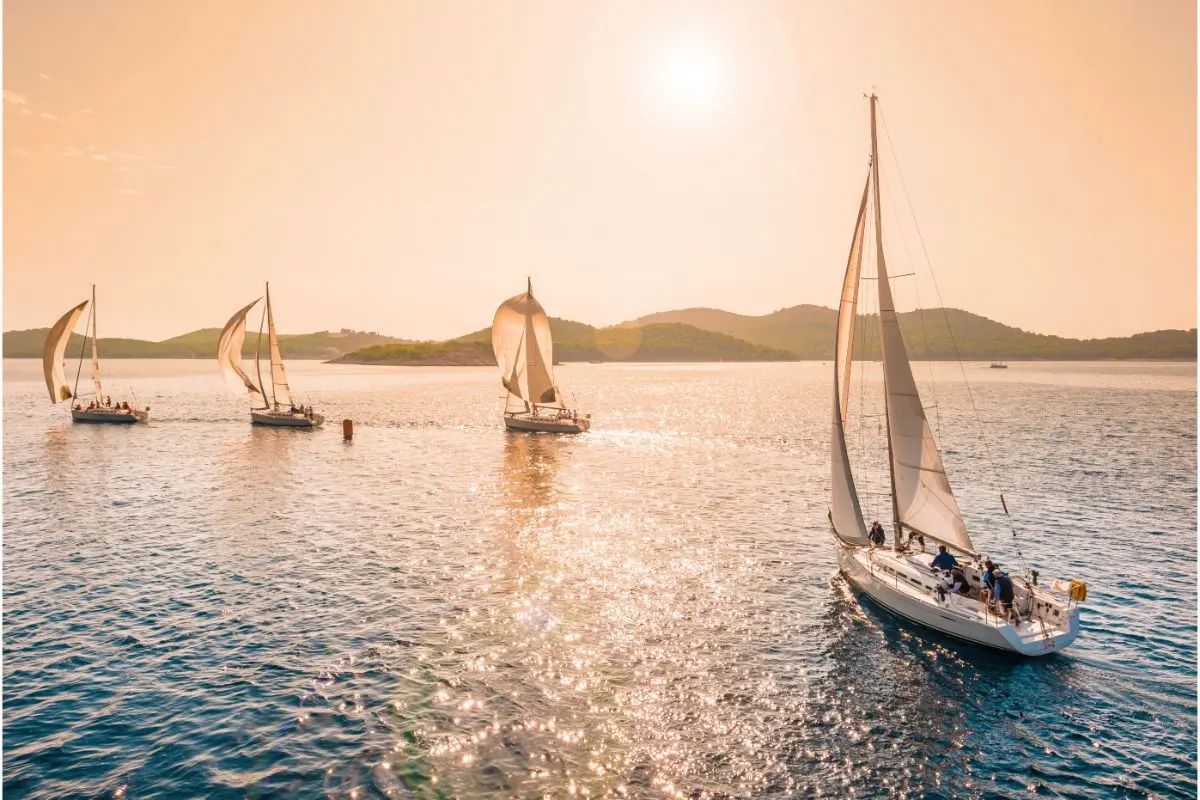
(271, 320)
(881, 275)
(258, 349)
(95, 349)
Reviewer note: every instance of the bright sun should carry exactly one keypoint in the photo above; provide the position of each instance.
(690, 76)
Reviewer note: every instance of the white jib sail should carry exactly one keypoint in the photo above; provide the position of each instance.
(53, 351)
(229, 353)
(525, 352)
(844, 508)
(923, 499)
(280, 392)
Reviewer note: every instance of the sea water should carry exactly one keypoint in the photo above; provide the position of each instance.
(199, 608)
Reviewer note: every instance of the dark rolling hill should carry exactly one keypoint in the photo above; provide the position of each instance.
(198, 344)
(807, 332)
(575, 341)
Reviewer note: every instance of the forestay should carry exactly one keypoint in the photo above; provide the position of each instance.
(55, 349)
(524, 352)
(229, 353)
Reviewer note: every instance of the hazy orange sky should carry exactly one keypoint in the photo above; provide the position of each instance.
(402, 166)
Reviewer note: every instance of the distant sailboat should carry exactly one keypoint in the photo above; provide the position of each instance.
(277, 409)
(101, 408)
(900, 578)
(525, 355)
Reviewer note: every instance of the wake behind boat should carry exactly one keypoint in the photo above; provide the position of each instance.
(972, 600)
(280, 410)
(101, 408)
(525, 355)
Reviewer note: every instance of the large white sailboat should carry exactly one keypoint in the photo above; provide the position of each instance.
(278, 408)
(101, 408)
(900, 577)
(525, 355)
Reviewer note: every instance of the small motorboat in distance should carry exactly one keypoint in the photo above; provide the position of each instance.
(101, 408)
(999, 365)
(280, 410)
(525, 355)
(947, 594)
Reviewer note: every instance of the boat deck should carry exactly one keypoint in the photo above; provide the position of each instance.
(911, 575)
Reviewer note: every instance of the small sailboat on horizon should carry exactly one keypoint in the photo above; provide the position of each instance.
(1028, 619)
(280, 409)
(525, 355)
(101, 409)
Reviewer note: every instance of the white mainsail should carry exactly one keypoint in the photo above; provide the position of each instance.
(55, 349)
(280, 393)
(921, 497)
(524, 353)
(229, 353)
(845, 510)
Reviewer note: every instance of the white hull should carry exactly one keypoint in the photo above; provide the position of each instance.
(542, 424)
(282, 419)
(110, 416)
(905, 585)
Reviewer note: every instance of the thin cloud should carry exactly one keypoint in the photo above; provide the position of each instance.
(48, 115)
(43, 76)
(84, 111)
(128, 191)
(25, 112)
(100, 157)
(21, 152)
(14, 98)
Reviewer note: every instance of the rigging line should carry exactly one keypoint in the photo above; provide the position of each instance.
(954, 342)
(82, 348)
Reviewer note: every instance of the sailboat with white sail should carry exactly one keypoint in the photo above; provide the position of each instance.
(1031, 620)
(278, 409)
(525, 355)
(101, 408)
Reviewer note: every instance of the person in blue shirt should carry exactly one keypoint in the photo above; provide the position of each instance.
(944, 560)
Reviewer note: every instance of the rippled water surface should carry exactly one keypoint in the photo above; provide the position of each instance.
(198, 608)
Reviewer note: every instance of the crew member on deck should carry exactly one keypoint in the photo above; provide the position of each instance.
(943, 560)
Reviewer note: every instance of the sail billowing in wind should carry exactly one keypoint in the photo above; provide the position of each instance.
(524, 353)
(845, 510)
(229, 353)
(55, 349)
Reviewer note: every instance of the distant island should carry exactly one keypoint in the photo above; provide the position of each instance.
(798, 333)
(322, 345)
(575, 341)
